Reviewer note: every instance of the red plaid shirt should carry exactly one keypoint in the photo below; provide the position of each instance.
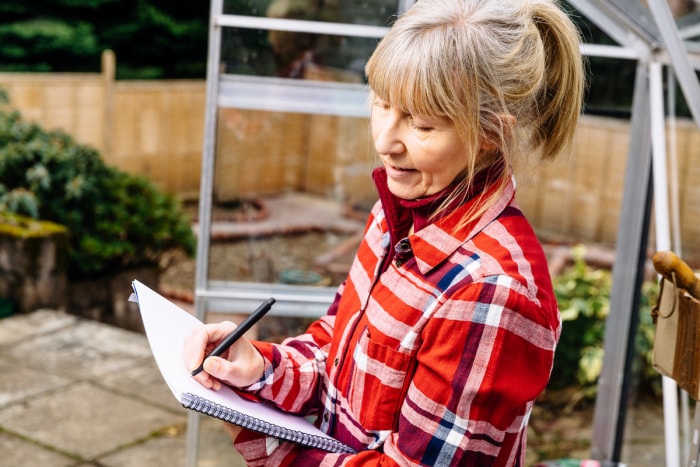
(436, 361)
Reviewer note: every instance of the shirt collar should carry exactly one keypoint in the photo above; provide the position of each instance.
(437, 241)
(432, 242)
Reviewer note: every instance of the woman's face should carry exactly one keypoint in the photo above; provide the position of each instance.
(422, 155)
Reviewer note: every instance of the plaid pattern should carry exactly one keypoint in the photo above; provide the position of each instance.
(436, 361)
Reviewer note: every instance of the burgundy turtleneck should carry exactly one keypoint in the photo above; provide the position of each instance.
(402, 213)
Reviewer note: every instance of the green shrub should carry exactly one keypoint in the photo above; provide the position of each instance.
(115, 219)
(583, 295)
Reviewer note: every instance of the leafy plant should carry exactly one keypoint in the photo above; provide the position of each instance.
(152, 39)
(583, 295)
(115, 219)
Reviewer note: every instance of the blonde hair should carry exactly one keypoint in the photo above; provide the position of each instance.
(487, 65)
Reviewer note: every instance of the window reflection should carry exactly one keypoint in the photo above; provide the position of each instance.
(291, 195)
(300, 55)
(295, 55)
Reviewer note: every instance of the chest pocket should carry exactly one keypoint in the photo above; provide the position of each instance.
(377, 384)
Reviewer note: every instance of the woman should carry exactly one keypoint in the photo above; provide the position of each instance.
(443, 334)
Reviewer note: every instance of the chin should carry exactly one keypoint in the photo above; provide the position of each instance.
(401, 192)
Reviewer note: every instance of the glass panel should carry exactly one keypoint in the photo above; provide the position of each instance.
(376, 12)
(291, 193)
(637, 13)
(689, 24)
(686, 12)
(610, 80)
(295, 55)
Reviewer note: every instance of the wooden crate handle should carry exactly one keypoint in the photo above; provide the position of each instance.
(666, 263)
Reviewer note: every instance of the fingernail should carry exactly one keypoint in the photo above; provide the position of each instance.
(211, 365)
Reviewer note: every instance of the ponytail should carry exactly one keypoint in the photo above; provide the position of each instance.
(561, 97)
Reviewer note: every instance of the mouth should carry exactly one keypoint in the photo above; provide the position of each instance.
(397, 173)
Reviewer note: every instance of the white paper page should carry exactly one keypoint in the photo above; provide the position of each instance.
(166, 327)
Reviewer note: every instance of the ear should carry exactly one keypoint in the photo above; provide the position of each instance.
(505, 123)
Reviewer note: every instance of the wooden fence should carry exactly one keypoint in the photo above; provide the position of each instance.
(155, 128)
(152, 128)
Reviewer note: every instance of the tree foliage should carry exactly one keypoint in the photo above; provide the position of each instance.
(151, 38)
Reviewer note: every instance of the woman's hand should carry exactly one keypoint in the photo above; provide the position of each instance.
(241, 365)
(232, 430)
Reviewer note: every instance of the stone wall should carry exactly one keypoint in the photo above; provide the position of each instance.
(106, 298)
(33, 257)
(33, 275)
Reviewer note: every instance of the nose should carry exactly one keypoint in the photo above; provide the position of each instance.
(387, 132)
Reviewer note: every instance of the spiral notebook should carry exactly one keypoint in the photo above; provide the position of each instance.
(166, 327)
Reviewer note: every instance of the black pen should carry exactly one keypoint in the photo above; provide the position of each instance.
(238, 332)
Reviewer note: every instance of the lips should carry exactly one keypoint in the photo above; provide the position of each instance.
(398, 172)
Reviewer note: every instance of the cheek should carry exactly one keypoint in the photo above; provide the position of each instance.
(443, 157)
(373, 128)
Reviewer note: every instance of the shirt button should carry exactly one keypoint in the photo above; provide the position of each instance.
(335, 362)
(326, 417)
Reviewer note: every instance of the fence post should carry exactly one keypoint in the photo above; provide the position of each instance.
(108, 75)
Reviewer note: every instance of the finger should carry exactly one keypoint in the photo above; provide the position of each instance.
(194, 348)
(245, 367)
(202, 340)
(207, 380)
(218, 331)
(220, 369)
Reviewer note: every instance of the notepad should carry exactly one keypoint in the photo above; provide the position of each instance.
(167, 326)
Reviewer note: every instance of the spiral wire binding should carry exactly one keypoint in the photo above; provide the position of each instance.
(199, 404)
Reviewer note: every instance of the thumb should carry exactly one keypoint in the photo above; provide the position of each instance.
(216, 366)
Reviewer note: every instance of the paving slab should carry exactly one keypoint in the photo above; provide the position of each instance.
(215, 448)
(17, 452)
(644, 443)
(166, 450)
(143, 381)
(86, 421)
(85, 349)
(18, 328)
(21, 382)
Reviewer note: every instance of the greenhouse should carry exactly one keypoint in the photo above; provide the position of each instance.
(658, 39)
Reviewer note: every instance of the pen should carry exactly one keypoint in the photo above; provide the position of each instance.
(238, 332)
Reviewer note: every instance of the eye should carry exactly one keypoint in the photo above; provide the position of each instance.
(418, 125)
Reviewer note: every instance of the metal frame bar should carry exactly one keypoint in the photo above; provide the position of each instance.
(609, 414)
(205, 203)
(291, 300)
(286, 95)
(298, 25)
(609, 51)
(663, 240)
